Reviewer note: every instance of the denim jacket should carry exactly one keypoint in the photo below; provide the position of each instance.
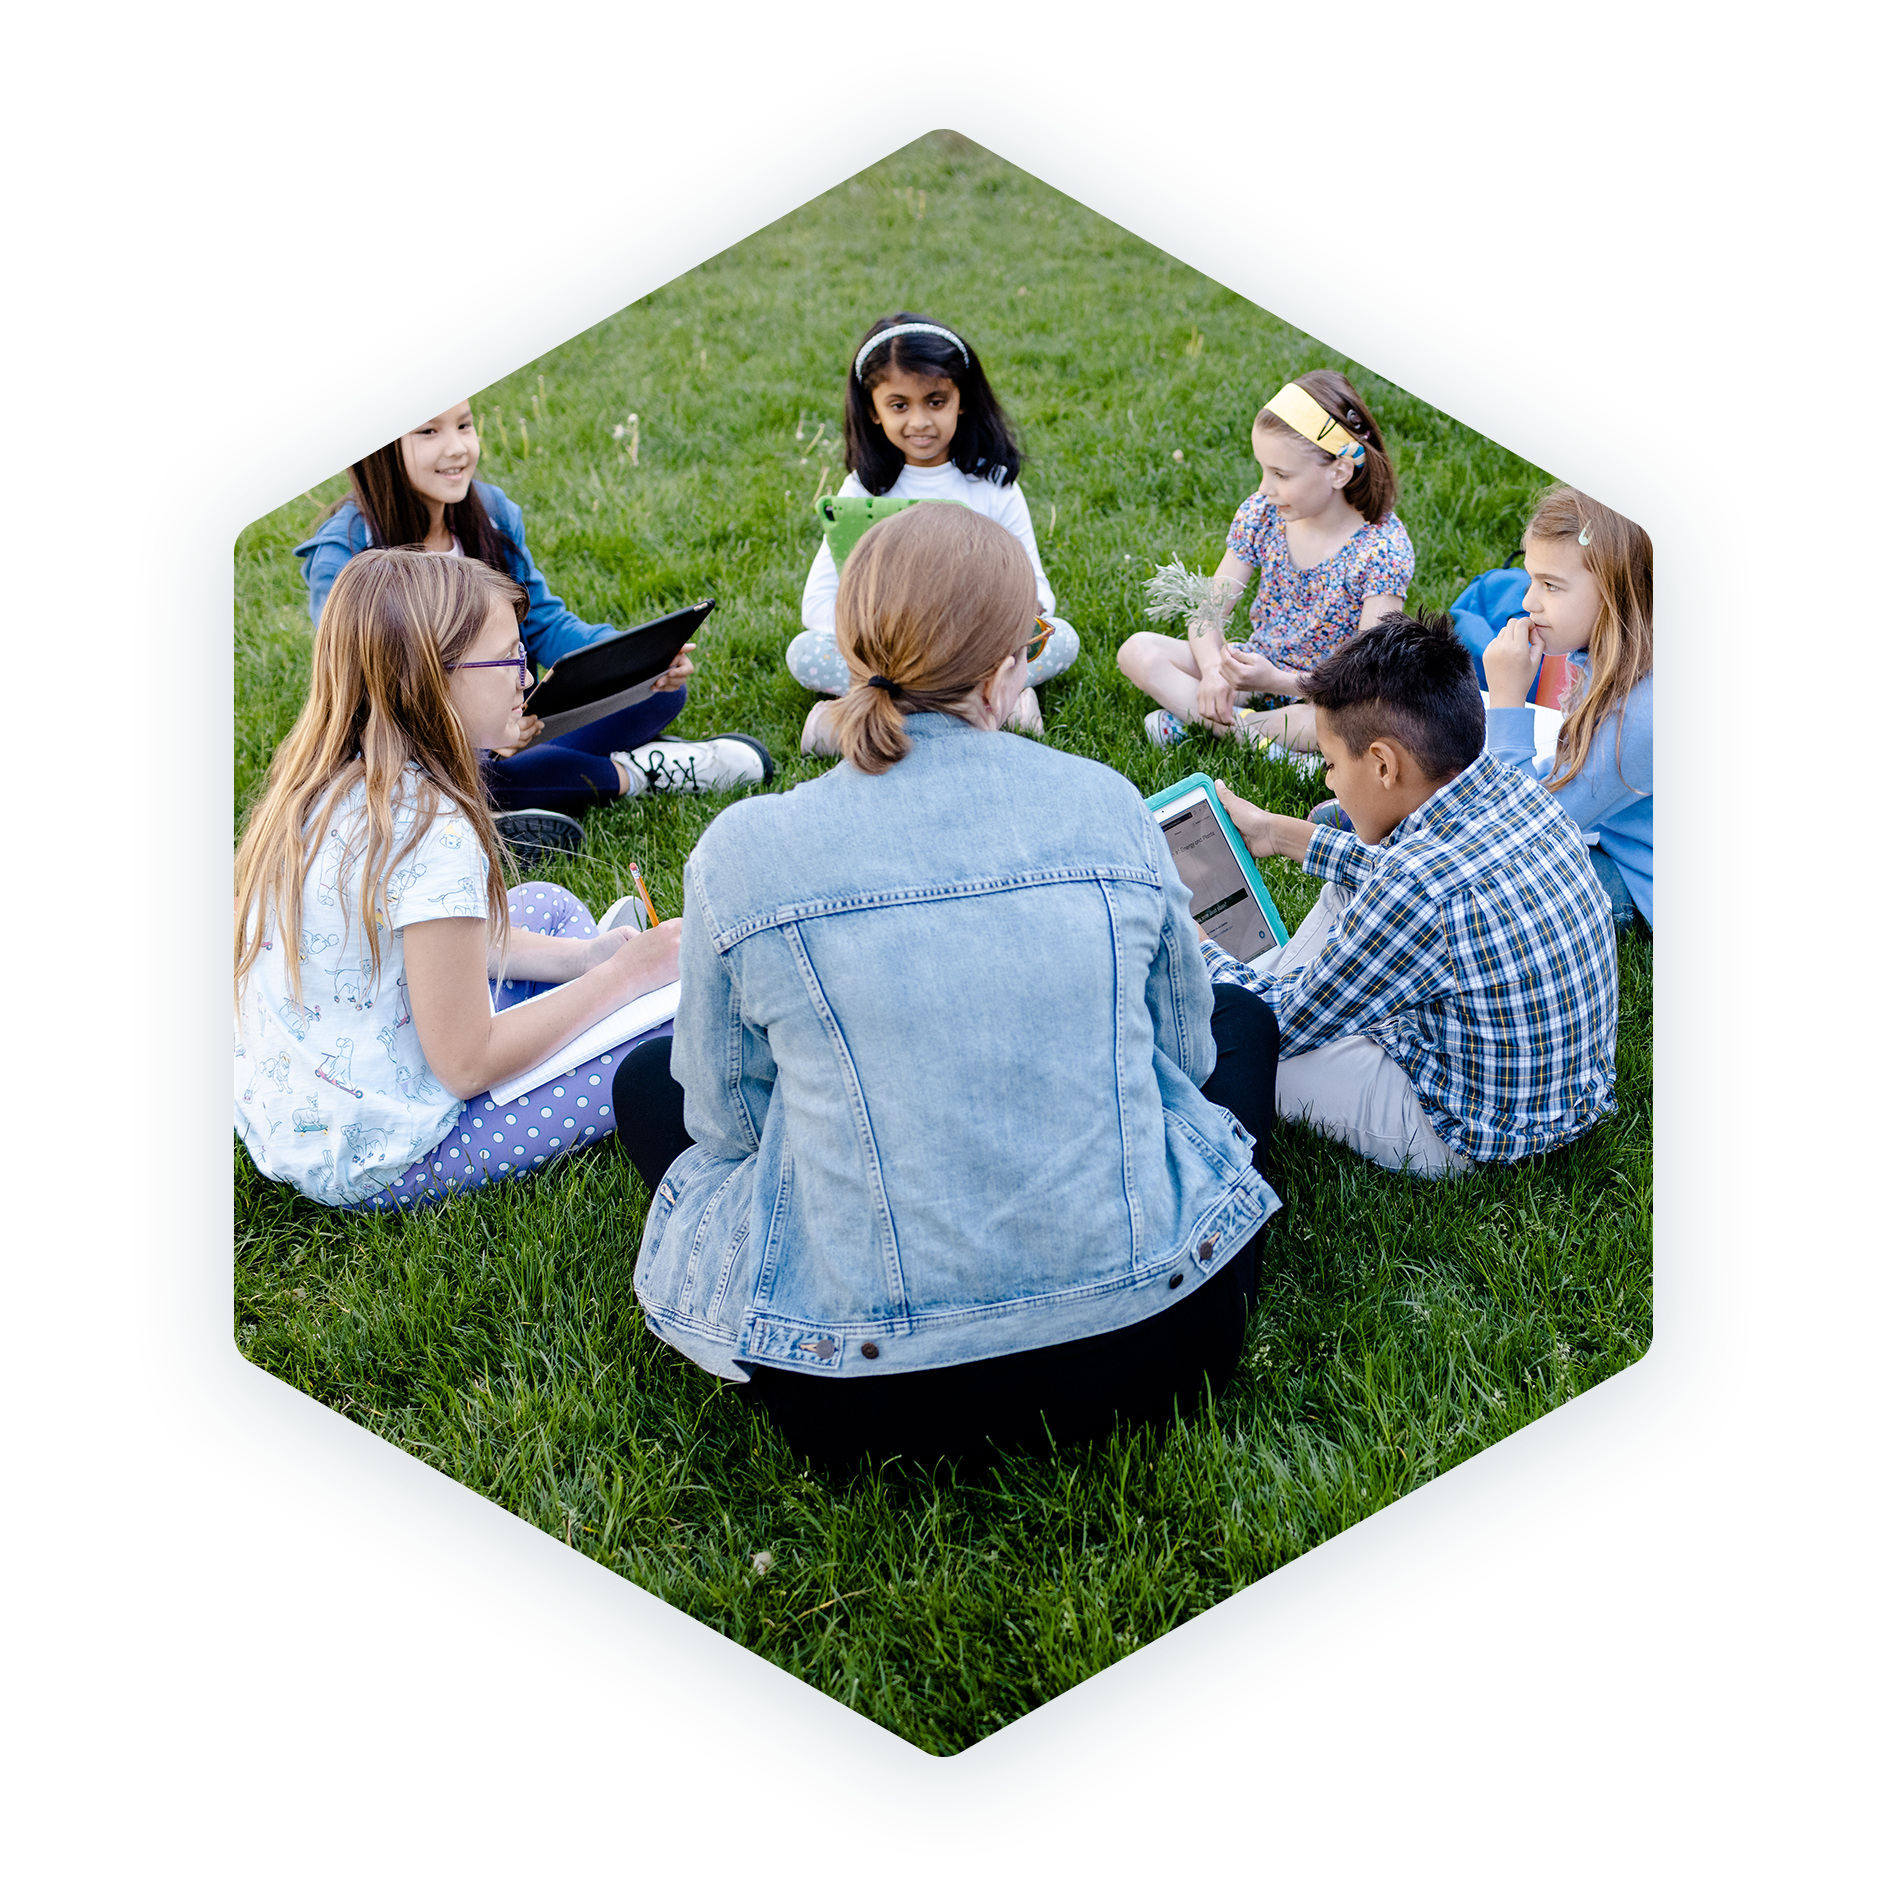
(550, 630)
(941, 1032)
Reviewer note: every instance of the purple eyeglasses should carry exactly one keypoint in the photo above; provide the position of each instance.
(520, 661)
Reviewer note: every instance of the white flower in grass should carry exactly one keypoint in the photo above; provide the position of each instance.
(762, 1563)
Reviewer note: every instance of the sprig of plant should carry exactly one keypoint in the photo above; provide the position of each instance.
(1173, 591)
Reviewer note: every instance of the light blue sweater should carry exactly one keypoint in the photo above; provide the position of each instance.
(1610, 795)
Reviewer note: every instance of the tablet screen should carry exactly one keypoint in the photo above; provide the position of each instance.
(1222, 904)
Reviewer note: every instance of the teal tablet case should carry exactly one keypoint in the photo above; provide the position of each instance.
(1246, 863)
(844, 520)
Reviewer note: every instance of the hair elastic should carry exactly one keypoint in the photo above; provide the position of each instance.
(886, 683)
(908, 327)
(1302, 414)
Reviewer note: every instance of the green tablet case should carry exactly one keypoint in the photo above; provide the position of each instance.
(845, 520)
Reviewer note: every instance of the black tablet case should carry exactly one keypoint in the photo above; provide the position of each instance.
(608, 676)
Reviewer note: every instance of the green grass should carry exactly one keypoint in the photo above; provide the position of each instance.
(1402, 1328)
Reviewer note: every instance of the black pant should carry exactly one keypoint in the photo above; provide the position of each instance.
(1066, 1392)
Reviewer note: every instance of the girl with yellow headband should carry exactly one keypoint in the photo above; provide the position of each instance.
(1334, 558)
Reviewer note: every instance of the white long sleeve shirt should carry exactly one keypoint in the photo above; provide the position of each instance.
(1004, 503)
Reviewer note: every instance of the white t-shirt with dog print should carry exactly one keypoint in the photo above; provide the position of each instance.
(333, 1093)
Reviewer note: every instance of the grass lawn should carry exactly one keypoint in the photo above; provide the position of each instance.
(1402, 1327)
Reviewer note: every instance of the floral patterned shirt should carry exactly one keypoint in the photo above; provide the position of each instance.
(1299, 616)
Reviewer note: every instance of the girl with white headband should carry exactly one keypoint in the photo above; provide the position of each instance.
(1335, 560)
(922, 421)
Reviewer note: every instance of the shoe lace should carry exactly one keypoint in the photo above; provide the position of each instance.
(663, 774)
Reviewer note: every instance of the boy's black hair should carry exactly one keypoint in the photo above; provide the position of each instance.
(1411, 678)
(984, 446)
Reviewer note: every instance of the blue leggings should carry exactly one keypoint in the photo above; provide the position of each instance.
(493, 1140)
(573, 772)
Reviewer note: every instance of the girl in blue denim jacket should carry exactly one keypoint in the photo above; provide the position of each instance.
(419, 490)
(953, 1148)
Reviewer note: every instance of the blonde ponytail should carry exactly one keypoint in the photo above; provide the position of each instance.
(931, 602)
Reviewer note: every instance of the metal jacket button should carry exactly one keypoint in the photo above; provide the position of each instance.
(1205, 1251)
(869, 1351)
(1175, 1280)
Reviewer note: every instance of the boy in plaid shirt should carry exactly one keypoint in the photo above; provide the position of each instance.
(1452, 998)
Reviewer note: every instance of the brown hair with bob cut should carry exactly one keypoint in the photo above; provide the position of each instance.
(931, 600)
(1371, 488)
(1617, 553)
(379, 701)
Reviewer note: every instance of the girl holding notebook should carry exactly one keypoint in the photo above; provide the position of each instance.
(377, 958)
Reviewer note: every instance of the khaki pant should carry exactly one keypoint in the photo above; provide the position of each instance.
(1350, 1089)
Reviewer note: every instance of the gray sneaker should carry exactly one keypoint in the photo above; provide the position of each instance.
(626, 913)
(723, 764)
(534, 833)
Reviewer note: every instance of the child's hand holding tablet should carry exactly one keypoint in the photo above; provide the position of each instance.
(1229, 901)
(1268, 834)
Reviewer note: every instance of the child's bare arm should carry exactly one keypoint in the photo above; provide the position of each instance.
(1205, 635)
(534, 958)
(1266, 834)
(467, 1047)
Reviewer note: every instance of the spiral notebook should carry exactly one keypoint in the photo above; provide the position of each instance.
(617, 1029)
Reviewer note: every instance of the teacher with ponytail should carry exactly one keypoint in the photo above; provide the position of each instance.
(951, 1149)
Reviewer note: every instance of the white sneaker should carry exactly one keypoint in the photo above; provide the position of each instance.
(719, 765)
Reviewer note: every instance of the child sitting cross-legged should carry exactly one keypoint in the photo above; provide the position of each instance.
(1452, 997)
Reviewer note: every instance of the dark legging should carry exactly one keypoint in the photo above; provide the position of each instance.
(574, 772)
(1065, 1393)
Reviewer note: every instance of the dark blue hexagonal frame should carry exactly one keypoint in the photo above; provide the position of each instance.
(813, 1777)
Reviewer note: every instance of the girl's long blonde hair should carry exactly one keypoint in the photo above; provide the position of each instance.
(1617, 553)
(378, 702)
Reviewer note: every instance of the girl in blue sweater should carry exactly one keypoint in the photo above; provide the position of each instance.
(1589, 599)
(419, 492)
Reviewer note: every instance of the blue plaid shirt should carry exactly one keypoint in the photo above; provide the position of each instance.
(1479, 951)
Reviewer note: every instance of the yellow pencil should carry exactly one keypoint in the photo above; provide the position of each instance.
(635, 871)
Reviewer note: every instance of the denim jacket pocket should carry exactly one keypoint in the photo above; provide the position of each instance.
(1227, 1169)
